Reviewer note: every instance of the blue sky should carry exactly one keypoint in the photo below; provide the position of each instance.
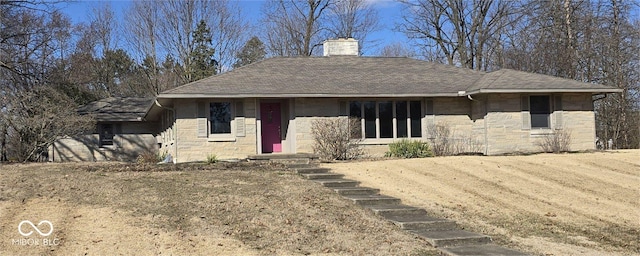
(389, 12)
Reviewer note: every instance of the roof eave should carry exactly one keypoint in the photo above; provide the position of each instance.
(585, 90)
(306, 95)
(139, 119)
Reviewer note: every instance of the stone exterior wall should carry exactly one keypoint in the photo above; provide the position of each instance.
(191, 148)
(133, 139)
(463, 118)
(307, 111)
(506, 134)
(579, 120)
(489, 124)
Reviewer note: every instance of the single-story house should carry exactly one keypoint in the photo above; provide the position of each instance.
(268, 107)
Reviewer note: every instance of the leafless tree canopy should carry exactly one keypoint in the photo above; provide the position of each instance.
(589, 41)
(298, 28)
(293, 28)
(464, 33)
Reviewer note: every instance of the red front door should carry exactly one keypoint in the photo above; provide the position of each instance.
(270, 118)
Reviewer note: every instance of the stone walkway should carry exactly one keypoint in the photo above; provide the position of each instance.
(443, 234)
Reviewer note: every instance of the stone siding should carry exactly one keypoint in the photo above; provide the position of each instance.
(134, 139)
(191, 148)
(490, 124)
(307, 111)
(506, 134)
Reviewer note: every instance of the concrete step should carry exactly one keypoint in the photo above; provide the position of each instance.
(311, 170)
(481, 250)
(452, 238)
(322, 176)
(356, 191)
(290, 161)
(301, 165)
(365, 200)
(422, 222)
(395, 210)
(334, 183)
(282, 156)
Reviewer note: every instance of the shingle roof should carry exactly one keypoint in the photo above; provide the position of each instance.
(118, 109)
(508, 80)
(336, 76)
(352, 76)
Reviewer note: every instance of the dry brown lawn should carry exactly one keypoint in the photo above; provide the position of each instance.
(566, 204)
(222, 209)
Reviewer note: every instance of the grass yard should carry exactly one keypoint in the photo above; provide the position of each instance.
(221, 209)
(566, 204)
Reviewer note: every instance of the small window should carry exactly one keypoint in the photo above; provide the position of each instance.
(106, 134)
(220, 117)
(540, 109)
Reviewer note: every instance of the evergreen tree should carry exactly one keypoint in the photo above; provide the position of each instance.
(202, 63)
(251, 52)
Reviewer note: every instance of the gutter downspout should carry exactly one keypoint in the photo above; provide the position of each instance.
(174, 130)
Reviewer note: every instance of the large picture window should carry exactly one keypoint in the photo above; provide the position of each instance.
(220, 117)
(540, 109)
(388, 119)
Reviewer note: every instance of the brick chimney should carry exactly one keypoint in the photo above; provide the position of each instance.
(341, 47)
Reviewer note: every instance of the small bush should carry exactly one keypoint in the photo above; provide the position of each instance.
(557, 142)
(212, 159)
(409, 149)
(337, 138)
(441, 140)
(149, 157)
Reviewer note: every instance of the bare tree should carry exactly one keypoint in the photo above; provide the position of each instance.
(168, 27)
(397, 50)
(34, 44)
(589, 41)
(293, 28)
(142, 28)
(462, 31)
(229, 32)
(37, 118)
(352, 19)
(104, 26)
